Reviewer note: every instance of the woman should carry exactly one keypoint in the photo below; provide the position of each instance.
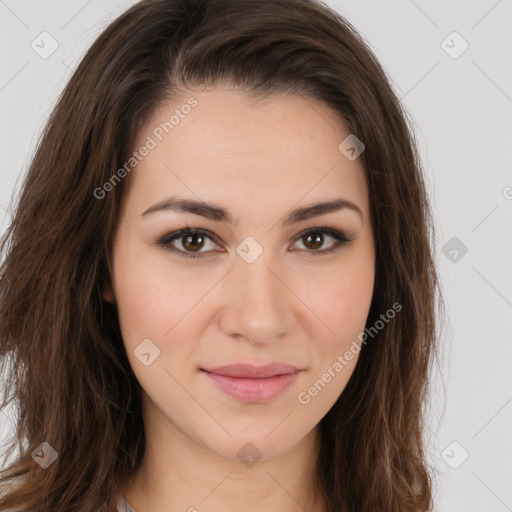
(218, 289)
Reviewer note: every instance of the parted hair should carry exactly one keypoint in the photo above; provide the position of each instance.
(61, 349)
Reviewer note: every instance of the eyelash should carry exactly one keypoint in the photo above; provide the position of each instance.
(165, 241)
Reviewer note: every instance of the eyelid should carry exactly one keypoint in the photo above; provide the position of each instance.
(180, 233)
(341, 239)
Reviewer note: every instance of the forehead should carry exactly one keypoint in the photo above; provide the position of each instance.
(231, 148)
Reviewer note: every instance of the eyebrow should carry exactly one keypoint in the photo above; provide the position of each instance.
(219, 214)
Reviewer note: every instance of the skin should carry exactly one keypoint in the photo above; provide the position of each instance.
(259, 160)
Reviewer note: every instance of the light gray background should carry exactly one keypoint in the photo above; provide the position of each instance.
(462, 108)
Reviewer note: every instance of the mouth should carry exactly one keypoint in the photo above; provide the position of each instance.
(253, 384)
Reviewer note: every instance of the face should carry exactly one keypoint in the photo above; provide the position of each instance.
(262, 279)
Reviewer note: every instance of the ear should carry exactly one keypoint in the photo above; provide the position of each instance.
(107, 290)
(108, 293)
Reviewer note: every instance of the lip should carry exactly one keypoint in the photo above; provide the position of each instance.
(253, 371)
(253, 384)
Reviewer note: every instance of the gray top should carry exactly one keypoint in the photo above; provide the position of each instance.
(123, 505)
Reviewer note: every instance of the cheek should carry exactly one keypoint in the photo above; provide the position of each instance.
(350, 303)
(144, 293)
(341, 299)
(343, 308)
(152, 304)
(343, 304)
(159, 301)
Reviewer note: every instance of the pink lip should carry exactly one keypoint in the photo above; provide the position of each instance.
(255, 384)
(252, 371)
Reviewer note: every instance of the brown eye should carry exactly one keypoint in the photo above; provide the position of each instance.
(190, 240)
(193, 242)
(314, 239)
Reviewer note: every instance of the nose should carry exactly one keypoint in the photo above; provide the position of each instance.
(257, 302)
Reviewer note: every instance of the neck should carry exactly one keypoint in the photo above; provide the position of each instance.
(177, 473)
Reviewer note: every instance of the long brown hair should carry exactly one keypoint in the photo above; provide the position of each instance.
(61, 346)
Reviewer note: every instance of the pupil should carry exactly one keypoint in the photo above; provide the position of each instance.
(317, 240)
(190, 245)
